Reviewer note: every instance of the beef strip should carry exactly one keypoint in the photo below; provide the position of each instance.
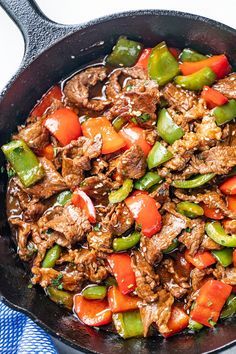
(69, 224)
(197, 276)
(118, 220)
(158, 312)
(132, 163)
(230, 226)
(23, 234)
(226, 275)
(51, 183)
(146, 278)
(100, 240)
(227, 86)
(76, 159)
(192, 240)
(209, 244)
(35, 135)
(208, 133)
(77, 89)
(162, 193)
(97, 187)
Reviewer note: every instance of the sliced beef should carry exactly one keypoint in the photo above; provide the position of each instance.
(100, 240)
(146, 278)
(35, 135)
(68, 224)
(51, 183)
(226, 275)
(76, 159)
(99, 165)
(184, 101)
(219, 160)
(208, 133)
(197, 277)
(209, 244)
(118, 220)
(227, 86)
(97, 187)
(193, 239)
(151, 136)
(159, 312)
(162, 193)
(77, 89)
(132, 163)
(230, 226)
(23, 233)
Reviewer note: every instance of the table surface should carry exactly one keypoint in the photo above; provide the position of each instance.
(74, 11)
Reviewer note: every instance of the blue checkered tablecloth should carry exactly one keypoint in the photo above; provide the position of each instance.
(20, 335)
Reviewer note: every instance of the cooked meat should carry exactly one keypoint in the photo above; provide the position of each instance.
(197, 277)
(24, 231)
(77, 89)
(162, 193)
(151, 136)
(146, 278)
(35, 135)
(207, 132)
(227, 275)
(227, 86)
(68, 224)
(230, 227)
(192, 240)
(97, 187)
(52, 182)
(76, 159)
(158, 312)
(132, 163)
(209, 244)
(100, 240)
(118, 220)
(99, 166)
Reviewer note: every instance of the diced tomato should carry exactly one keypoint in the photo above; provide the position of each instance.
(64, 125)
(92, 312)
(210, 301)
(143, 59)
(111, 140)
(231, 202)
(135, 135)
(178, 321)
(212, 213)
(82, 200)
(47, 152)
(175, 52)
(46, 101)
(229, 186)
(213, 97)
(234, 257)
(119, 302)
(218, 63)
(145, 211)
(200, 260)
(120, 264)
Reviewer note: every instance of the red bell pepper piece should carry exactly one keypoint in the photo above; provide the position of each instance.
(46, 101)
(229, 186)
(143, 59)
(210, 301)
(82, 200)
(175, 52)
(119, 302)
(145, 211)
(135, 135)
(212, 213)
(111, 140)
(234, 257)
(200, 260)
(231, 202)
(47, 152)
(120, 264)
(213, 97)
(64, 125)
(218, 63)
(178, 321)
(92, 312)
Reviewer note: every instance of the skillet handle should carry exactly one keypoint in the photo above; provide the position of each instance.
(39, 32)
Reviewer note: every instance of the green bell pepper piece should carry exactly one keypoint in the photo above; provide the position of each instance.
(172, 247)
(167, 128)
(230, 307)
(191, 210)
(225, 113)
(122, 193)
(61, 297)
(216, 232)
(51, 257)
(124, 53)
(63, 198)
(125, 243)
(158, 155)
(195, 182)
(162, 65)
(197, 80)
(118, 123)
(194, 325)
(97, 292)
(224, 257)
(147, 181)
(191, 55)
(128, 324)
(24, 162)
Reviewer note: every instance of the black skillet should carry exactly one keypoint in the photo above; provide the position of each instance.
(53, 51)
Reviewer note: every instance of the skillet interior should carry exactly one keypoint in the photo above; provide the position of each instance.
(88, 43)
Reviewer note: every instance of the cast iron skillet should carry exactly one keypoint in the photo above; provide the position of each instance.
(52, 52)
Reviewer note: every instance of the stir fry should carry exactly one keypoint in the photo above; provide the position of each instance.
(122, 191)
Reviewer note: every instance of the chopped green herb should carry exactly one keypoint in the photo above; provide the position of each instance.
(144, 117)
(2, 169)
(134, 120)
(97, 227)
(10, 172)
(57, 282)
(188, 229)
(30, 286)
